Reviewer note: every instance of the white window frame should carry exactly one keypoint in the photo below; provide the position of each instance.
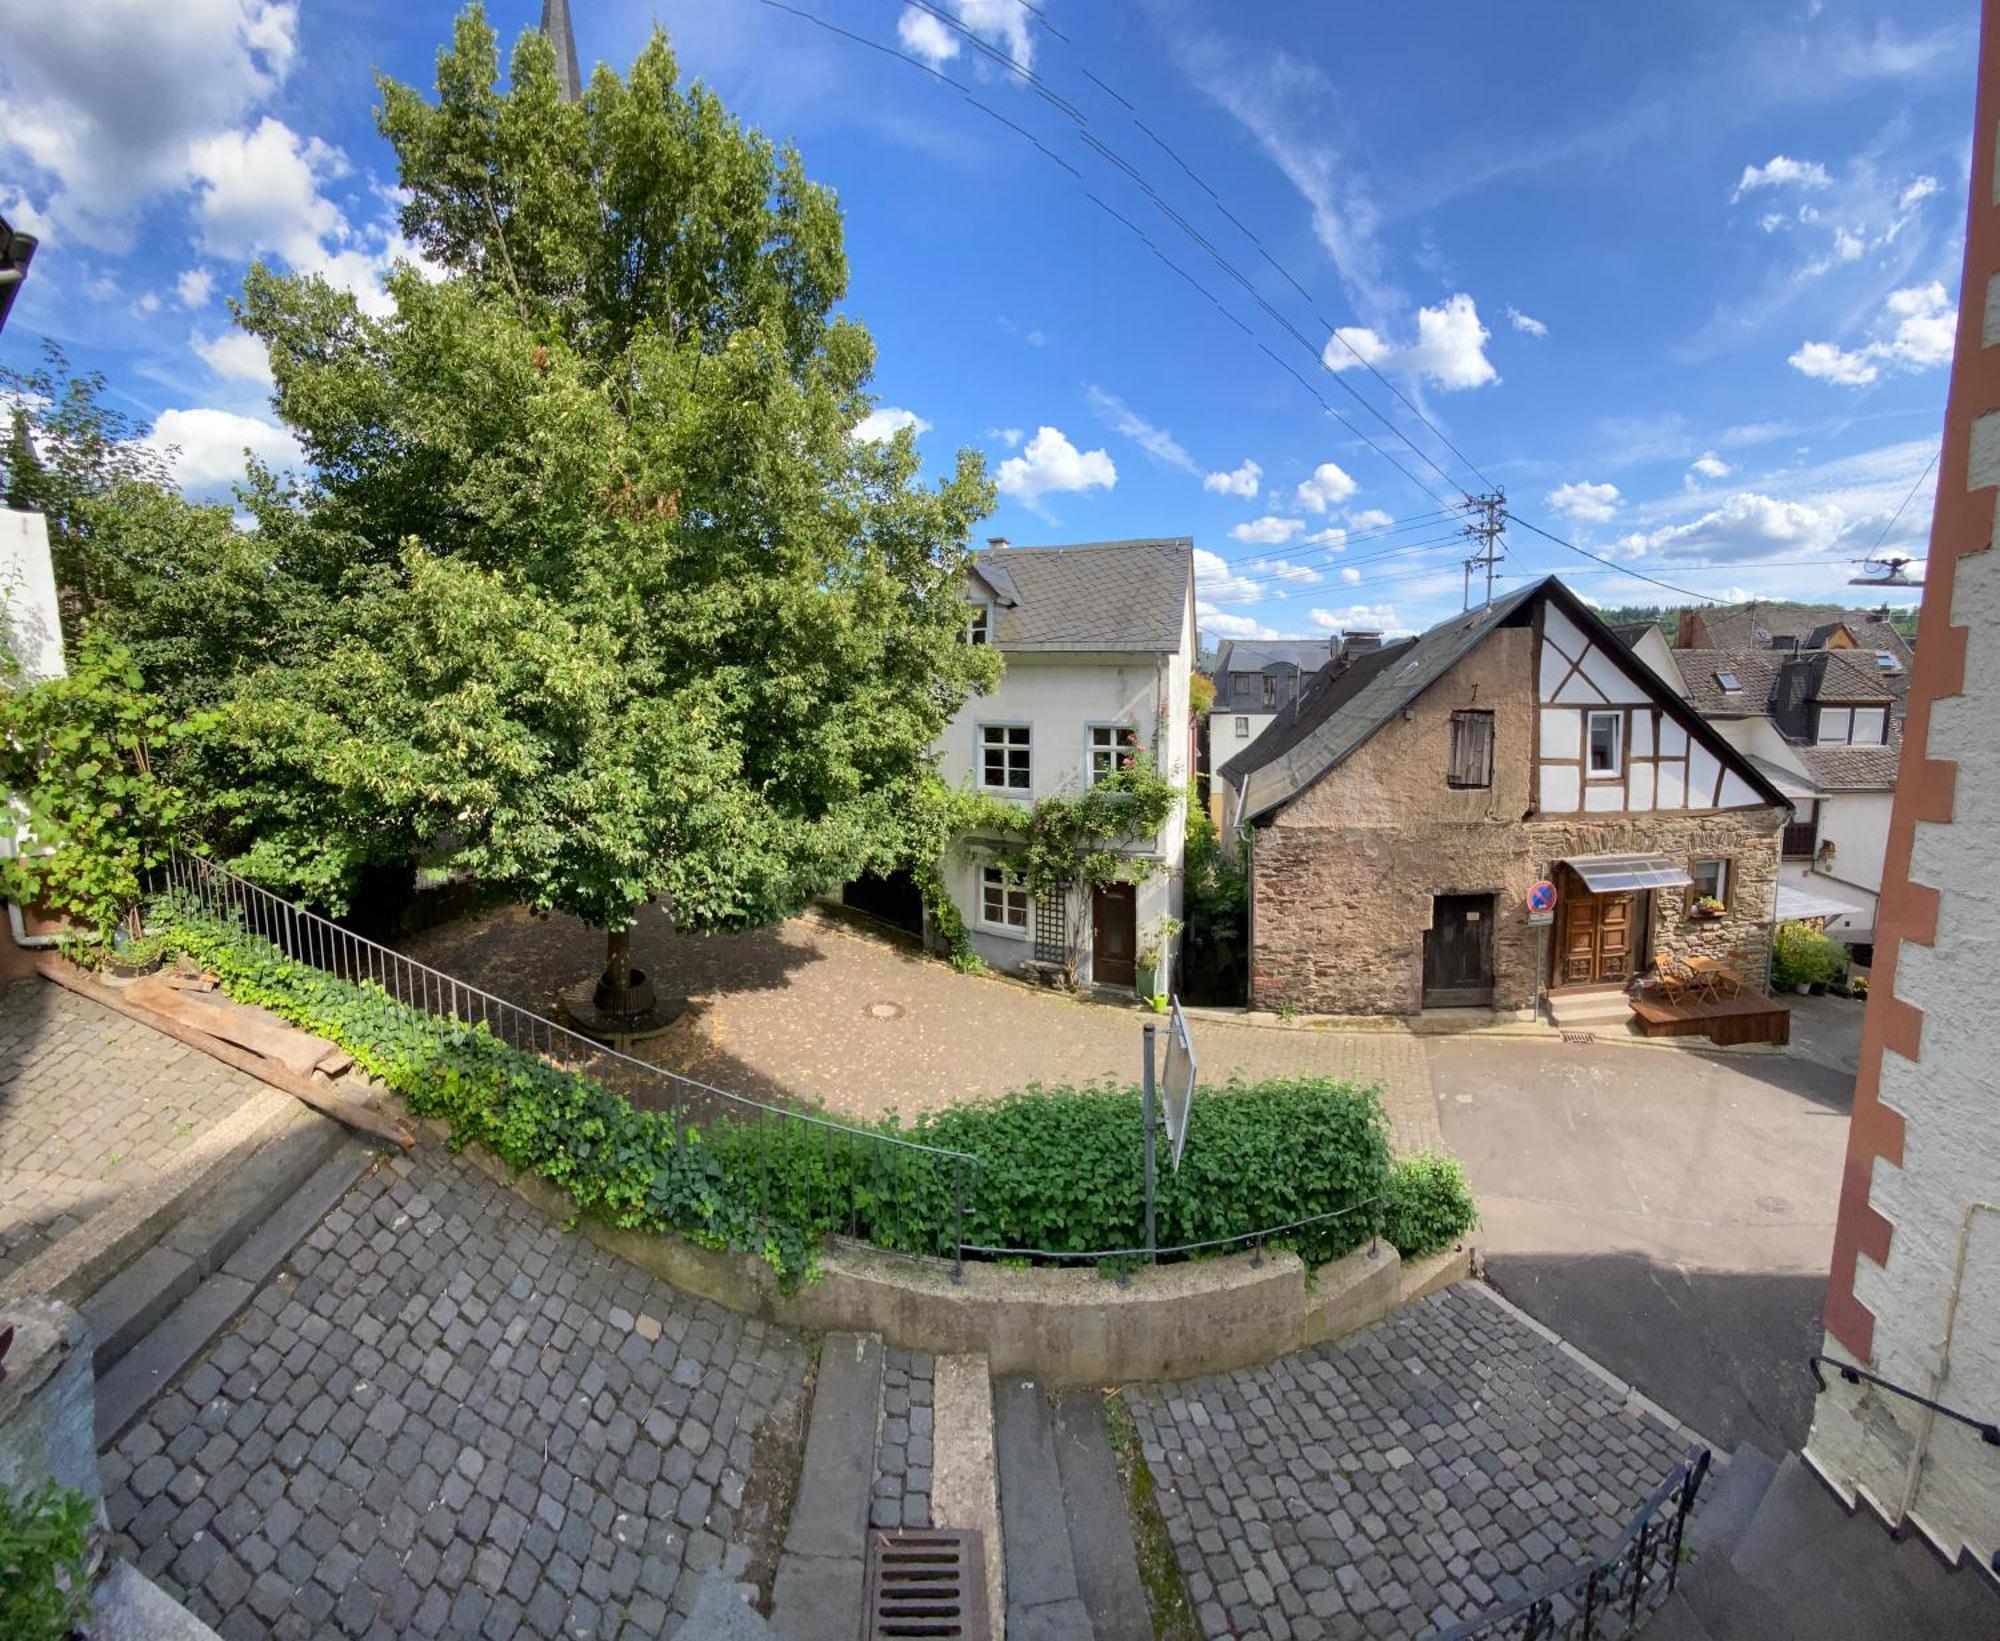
(978, 622)
(1828, 715)
(1008, 747)
(1114, 727)
(1010, 888)
(1617, 769)
(1721, 878)
(1242, 728)
(1880, 736)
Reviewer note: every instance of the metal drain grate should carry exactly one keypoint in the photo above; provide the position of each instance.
(926, 1584)
(1579, 1039)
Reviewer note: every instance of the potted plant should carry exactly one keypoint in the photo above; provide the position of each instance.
(1706, 906)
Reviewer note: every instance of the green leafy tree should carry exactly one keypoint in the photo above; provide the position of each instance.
(628, 613)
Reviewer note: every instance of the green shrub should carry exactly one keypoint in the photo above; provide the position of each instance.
(1802, 956)
(44, 1563)
(1430, 1204)
(1058, 1168)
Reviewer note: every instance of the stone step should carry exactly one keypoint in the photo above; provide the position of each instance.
(1044, 1595)
(133, 1300)
(1591, 1008)
(1100, 1523)
(965, 1486)
(154, 1361)
(1729, 1500)
(818, 1594)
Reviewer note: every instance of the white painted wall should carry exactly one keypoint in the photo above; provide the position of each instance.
(1223, 741)
(28, 595)
(1059, 696)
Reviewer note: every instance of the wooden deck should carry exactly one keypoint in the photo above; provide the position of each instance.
(1746, 1019)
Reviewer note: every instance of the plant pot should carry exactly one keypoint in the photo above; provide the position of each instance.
(132, 968)
(1802, 988)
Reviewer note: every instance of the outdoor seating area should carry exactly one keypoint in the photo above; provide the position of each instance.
(1730, 1019)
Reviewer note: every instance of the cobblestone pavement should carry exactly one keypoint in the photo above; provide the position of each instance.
(1411, 1476)
(90, 1102)
(810, 1008)
(902, 1492)
(448, 1417)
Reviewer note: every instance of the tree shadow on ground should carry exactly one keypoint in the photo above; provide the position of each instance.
(1723, 1351)
(1828, 1086)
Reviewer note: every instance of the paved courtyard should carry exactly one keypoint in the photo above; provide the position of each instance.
(448, 1417)
(1670, 1211)
(1411, 1476)
(90, 1104)
(812, 1009)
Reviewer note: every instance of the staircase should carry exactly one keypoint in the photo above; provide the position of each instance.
(1606, 1010)
(1774, 1555)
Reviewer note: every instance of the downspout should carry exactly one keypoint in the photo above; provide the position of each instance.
(1927, 1418)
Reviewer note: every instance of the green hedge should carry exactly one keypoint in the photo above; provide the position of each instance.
(1058, 1167)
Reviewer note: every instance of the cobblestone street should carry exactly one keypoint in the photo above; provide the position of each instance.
(448, 1416)
(1411, 1476)
(90, 1102)
(812, 1009)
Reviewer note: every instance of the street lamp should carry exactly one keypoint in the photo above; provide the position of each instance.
(17, 250)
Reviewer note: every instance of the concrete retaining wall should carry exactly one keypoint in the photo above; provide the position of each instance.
(1062, 1327)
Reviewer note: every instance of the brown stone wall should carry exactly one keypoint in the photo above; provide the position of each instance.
(1343, 877)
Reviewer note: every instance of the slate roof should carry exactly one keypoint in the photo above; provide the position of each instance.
(1094, 595)
(1632, 631)
(1755, 670)
(1325, 692)
(1335, 720)
(1855, 768)
(1830, 675)
(1255, 654)
(1736, 627)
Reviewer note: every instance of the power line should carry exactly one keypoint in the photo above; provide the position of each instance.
(1929, 468)
(1267, 583)
(1415, 521)
(1685, 592)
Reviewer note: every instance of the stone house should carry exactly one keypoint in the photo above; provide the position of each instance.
(1398, 817)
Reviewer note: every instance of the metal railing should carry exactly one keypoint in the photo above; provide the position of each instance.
(1989, 1431)
(1611, 1595)
(900, 1171)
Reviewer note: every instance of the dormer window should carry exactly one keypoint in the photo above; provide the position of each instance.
(1887, 662)
(1853, 726)
(976, 616)
(1729, 683)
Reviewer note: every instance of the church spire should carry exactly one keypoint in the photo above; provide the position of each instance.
(555, 25)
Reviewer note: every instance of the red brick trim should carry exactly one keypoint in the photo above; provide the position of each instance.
(1962, 524)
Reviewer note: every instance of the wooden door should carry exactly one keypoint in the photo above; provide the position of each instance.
(1114, 934)
(1458, 952)
(1598, 935)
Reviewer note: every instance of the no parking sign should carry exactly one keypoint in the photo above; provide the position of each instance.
(1542, 903)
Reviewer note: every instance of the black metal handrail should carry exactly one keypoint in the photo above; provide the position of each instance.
(1989, 1432)
(1620, 1584)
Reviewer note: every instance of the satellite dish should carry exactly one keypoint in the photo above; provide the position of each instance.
(1762, 635)
(1890, 569)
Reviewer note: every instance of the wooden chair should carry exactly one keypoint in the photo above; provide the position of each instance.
(1678, 982)
(1721, 980)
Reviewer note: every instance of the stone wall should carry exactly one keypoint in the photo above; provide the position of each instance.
(1343, 877)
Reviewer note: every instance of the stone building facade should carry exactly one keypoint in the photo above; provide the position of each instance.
(1349, 871)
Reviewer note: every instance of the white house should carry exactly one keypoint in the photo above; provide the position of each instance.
(1099, 642)
(1824, 725)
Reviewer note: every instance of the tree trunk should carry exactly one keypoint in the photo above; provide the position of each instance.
(618, 959)
(621, 990)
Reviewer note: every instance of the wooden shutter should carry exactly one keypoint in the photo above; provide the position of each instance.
(1471, 749)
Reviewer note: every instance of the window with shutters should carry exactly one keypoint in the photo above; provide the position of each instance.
(1471, 749)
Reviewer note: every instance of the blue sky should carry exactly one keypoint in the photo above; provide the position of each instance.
(1682, 279)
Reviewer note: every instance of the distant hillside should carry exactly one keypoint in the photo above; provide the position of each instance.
(1668, 615)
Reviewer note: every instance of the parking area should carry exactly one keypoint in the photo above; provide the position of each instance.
(1669, 1211)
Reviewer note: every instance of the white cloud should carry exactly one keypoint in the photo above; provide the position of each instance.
(1917, 192)
(1525, 322)
(1328, 487)
(234, 355)
(1350, 575)
(1915, 332)
(210, 445)
(1780, 171)
(1231, 626)
(886, 421)
(1332, 536)
(1366, 617)
(1242, 481)
(1219, 582)
(257, 191)
(1267, 531)
(1591, 503)
(147, 305)
(1747, 525)
(1708, 465)
(103, 101)
(1449, 352)
(1123, 420)
(1009, 436)
(192, 289)
(1370, 518)
(1051, 464)
(926, 36)
(1282, 569)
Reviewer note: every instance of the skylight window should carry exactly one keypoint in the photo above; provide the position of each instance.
(1731, 685)
(1887, 662)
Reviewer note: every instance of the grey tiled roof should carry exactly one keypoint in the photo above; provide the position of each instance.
(1097, 595)
(1841, 675)
(1255, 654)
(1855, 768)
(1755, 670)
(1737, 626)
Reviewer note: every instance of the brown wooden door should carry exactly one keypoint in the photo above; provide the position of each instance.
(1114, 934)
(1458, 952)
(1597, 938)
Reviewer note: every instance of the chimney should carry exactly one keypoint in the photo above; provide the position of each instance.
(1684, 633)
(1362, 639)
(998, 542)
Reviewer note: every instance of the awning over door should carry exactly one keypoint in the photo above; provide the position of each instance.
(1795, 905)
(1621, 874)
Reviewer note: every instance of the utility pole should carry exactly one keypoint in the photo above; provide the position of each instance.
(1489, 523)
(1465, 601)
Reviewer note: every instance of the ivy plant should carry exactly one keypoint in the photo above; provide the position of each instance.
(44, 1562)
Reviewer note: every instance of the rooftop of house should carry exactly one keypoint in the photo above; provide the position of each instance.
(1107, 596)
(1781, 686)
(1255, 654)
(1811, 626)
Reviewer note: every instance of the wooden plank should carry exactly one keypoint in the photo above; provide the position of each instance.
(66, 974)
(233, 1022)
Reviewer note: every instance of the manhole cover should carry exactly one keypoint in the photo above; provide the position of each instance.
(884, 1011)
(1774, 1205)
